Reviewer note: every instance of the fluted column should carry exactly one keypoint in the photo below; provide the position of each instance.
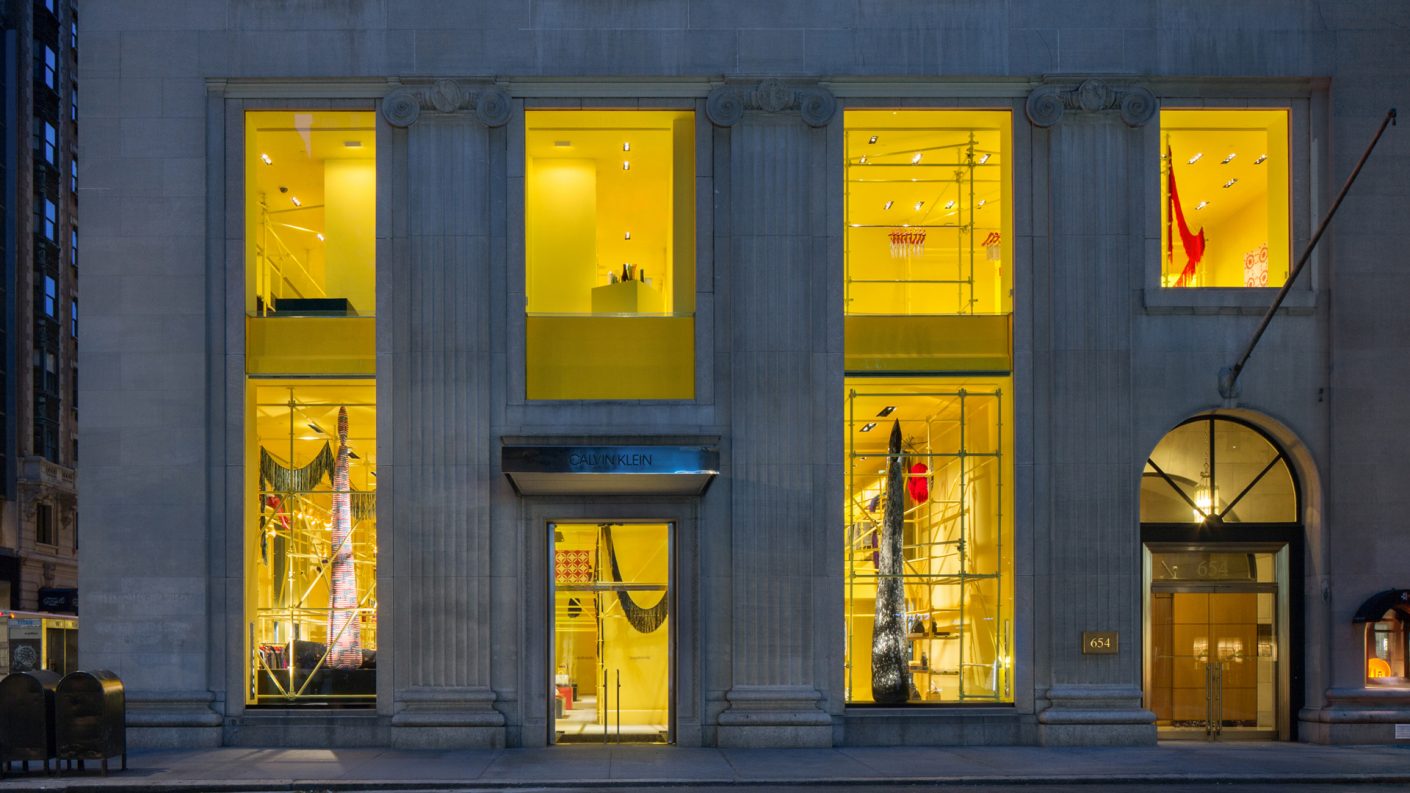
(1092, 263)
(777, 277)
(434, 389)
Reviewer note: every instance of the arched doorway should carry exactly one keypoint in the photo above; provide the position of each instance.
(1221, 535)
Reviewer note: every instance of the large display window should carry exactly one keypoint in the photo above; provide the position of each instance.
(929, 541)
(610, 254)
(311, 542)
(1225, 198)
(929, 243)
(310, 241)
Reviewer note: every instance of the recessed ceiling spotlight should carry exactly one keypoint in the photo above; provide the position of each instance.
(626, 146)
(315, 428)
(888, 204)
(266, 159)
(626, 235)
(626, 165)
(868, 427)
(1195, 158)
(984, 158)
(1201, 205)
(319, 235)
(872, 139)
(886, 411)
(863, 161)
(1228, 159)
(352, 144)
(1230, 183)
(981, 203)
(915, 159)
(1260, 159)
(919, 204)
(296, 200)
(950, 204)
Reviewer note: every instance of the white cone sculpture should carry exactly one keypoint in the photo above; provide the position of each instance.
(890, 672)
(344, 627)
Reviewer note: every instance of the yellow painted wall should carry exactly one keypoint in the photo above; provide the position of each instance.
(610, 357)
(350, 218)
(561, 213)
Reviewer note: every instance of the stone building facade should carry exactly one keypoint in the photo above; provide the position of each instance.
(1073, 619)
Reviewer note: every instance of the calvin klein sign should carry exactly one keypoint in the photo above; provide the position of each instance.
(609, 470)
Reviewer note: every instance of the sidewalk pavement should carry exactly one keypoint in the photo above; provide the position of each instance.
(576, 768)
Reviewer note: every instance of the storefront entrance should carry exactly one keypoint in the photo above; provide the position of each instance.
(1215, 641)
(611, 633)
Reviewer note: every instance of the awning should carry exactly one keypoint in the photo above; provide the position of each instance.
(610, 470)
(1376, 606)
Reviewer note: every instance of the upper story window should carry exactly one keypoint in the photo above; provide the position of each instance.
(73, 318)
(51, 297)
(928, 212)
(47, 67)
(1213, 471)
(73, 247)
(73, 176)
(46, 141)
(311, 213)
(610, 254)
(929, 243)
(310, 242)
(73, 102)
(1225, 198)
(45, 531)
(46, 217)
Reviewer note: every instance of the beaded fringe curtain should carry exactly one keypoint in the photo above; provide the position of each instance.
(644, 620)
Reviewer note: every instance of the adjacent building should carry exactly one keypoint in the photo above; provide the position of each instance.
(39, 516)
(744, 374)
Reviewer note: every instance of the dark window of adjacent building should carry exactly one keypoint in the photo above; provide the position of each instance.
(46, 141)
(46, 68)
(73, 247)
(73, 177)
(75, 514)
(51, 6)
(51, 296)
(73, 102)
(73, 318)
(73, 36)
(45, 532)
(46, 218)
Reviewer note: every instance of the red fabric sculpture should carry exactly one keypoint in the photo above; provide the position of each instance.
(918, 484)
(1193, 243)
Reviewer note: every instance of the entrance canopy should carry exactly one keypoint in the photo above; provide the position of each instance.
(610, 470)
(1376, 606)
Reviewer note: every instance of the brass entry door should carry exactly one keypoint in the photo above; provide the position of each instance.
(1214, 644)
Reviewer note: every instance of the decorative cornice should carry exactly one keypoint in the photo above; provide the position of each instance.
(490, 103)
(1046, 104)
(727, 103)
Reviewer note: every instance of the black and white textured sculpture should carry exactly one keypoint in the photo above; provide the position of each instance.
(890, 672)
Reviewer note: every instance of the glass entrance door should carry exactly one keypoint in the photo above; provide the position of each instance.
(1215, 643)
(611, 640)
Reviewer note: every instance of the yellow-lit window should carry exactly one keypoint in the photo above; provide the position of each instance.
(310, 241)
(1224, 189)
(1386, 647)
(311, 542)
(929, 244)
(610, 254)
(310, 549)
(928, 572)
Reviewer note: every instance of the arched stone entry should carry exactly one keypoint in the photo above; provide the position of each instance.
(1222, 543)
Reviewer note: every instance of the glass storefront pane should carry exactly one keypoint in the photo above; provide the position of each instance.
(610, 254)
(954, 608)
(1224, 190)
(611, 627)
(311, 542)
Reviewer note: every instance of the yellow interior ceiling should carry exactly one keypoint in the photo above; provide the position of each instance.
(313, 421)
